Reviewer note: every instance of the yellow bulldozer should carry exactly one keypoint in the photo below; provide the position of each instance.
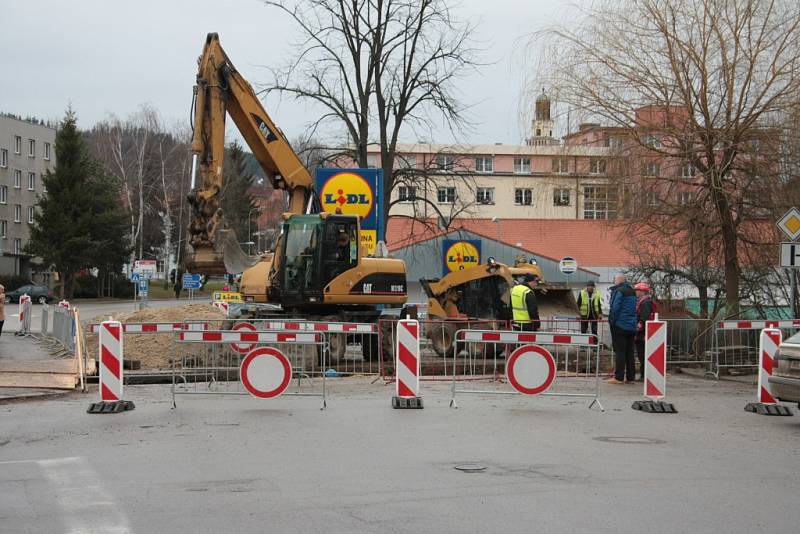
(480, 297)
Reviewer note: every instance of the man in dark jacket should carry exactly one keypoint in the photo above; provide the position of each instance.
(622, 321)
(645, 311)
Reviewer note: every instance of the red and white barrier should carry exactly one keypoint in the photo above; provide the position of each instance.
(25, 314)
(408, 365)
(531, 369)
(227, 336)
(154, 328)
(64, 304)
(355, 328)
(768, 348)
(757, 325)
(545, 338)
(220, 305)
(110, 361)
(655, 360)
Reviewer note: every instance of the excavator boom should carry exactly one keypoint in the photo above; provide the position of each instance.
(220, 89)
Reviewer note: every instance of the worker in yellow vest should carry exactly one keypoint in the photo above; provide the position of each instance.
(590, 307)
(523, 304)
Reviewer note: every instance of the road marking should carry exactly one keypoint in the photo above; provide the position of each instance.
(86, 503)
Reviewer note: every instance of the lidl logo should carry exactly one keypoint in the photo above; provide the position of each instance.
(461, 255)
(347, 192)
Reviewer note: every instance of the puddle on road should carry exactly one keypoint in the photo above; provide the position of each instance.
(629, 440)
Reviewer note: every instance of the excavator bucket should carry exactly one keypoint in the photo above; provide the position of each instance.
(236, 260)
(556, 301)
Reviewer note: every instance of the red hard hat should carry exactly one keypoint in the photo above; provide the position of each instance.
(642, 286)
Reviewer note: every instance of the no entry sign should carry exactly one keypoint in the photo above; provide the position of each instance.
(531, 369)
(265, 372)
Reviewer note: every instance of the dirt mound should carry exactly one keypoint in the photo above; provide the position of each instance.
(155, 351)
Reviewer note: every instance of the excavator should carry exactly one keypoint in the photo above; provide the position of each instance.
(318, 270)
(480, 297)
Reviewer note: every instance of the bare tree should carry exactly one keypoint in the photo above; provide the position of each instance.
(378, 67)
(693, 82)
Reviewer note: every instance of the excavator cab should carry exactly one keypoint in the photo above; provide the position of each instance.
(314, 251)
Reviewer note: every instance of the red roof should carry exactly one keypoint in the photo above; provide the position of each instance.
(593, 243)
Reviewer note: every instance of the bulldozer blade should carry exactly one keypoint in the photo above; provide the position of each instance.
(236, 260)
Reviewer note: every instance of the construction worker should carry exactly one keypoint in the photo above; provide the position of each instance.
(523, 304)
(590, 307)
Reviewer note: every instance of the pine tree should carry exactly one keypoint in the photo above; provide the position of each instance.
(238, 206)
(79, 223)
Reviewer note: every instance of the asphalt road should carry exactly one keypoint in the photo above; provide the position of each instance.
(237, 464)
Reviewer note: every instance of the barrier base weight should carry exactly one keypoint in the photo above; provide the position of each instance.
(110, 407)
(768, 409)
(649, 406)
(407, 402)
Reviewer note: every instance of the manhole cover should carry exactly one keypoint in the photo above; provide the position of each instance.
(629, 440)
(470, 468)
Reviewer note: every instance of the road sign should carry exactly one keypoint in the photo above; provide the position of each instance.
(135, 277)
(243, 348)
(144, 286)
(790, 224)
(145, 266)
(531, 369)
(227, 296)
(265, 372)
(568, 265)
(191, 281)
(790, 255)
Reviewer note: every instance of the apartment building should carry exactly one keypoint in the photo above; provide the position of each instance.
(27, 151)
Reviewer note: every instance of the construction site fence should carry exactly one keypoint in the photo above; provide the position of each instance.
(736, 341)
(58, 327)
(480, 356)
(208, 362)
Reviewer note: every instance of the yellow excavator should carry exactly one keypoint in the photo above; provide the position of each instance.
(480, 297)
(318, 269)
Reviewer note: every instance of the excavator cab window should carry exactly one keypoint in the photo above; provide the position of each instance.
(340, 248)
(302, 236)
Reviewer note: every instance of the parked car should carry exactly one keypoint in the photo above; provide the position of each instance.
(40, 294)
(785, 379)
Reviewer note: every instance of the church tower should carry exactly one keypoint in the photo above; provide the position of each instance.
(543, 125)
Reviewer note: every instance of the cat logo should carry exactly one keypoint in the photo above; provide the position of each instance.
(347, 193)
(462, 255)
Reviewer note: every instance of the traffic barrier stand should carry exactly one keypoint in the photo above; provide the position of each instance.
(24, 316)
(221, 305)
(407, 365)
(768, 348)
(531, 366)
(111, 373)
(246, 361)
(655, 369)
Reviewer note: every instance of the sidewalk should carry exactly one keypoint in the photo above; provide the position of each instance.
(19, 354)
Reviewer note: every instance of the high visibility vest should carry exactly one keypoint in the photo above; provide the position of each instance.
(595, 301)
(518, 305)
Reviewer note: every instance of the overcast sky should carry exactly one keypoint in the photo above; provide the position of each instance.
(108, 56)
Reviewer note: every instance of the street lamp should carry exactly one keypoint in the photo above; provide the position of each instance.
(249, 235)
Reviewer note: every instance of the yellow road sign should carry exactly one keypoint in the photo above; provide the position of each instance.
(790, 224)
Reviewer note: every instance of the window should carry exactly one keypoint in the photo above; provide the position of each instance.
(484, 195)
(688, 171)
(406, 193)
(599, 202)
(30, 214)
(405, 161)
(31, 181)
(17, 213)
(17, 144)
(17, 246)
(651, 169)
(17, 179)
(560, 165)
(652, 141)
(3, 229)
(372, 161)
(597, 166)
(446, 195)
(3, 194)
(614, 142)
(561, 197)
(4, 158)
(47, 151)
(652, 198)
(484, 164)
(685, 198)
(523, 197)
(31, 148)
(522, 165)
(445, 162)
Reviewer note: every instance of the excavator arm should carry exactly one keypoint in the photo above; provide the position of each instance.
(220, 89)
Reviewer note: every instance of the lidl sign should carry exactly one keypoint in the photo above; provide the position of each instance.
(460, 254)
(355, 192)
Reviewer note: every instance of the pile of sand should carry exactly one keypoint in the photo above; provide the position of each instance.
(155, 351)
